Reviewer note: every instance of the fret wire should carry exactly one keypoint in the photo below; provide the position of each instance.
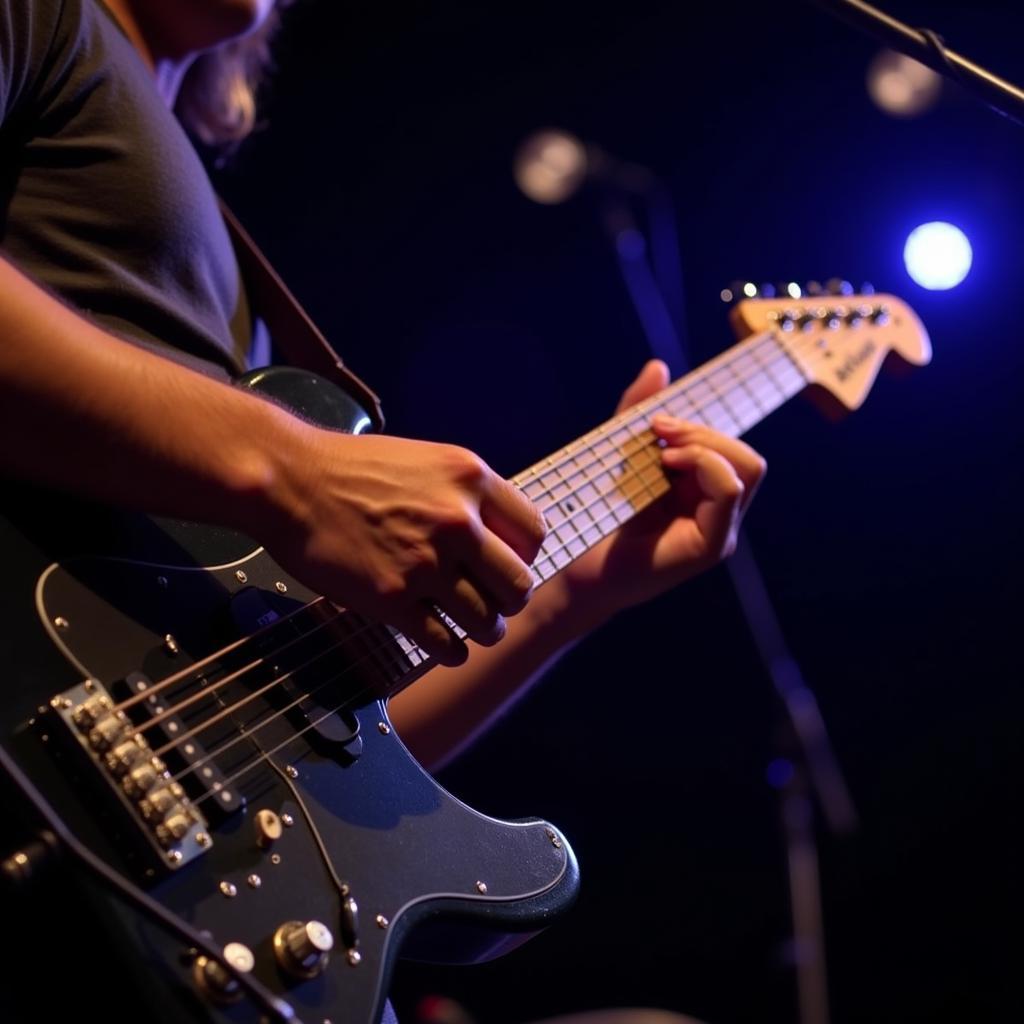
(627, 505)
(719, 382)
(753, 397)
(648, 459)
(742, 352)
(788, 355)
(769, 375)
(761, 364)
(720, 399)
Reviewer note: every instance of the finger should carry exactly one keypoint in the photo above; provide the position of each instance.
(509, 514)
(652, 378)
(749, 464)
(502, 575)
(473, 612)
(721, 489)
(425, 628)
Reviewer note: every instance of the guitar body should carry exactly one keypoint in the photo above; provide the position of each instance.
(317, 812)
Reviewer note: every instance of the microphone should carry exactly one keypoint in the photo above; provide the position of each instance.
(551, 165)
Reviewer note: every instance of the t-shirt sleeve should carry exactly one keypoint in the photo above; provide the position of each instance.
(28, 35)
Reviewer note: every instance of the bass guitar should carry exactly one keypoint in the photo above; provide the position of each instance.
(204, 742)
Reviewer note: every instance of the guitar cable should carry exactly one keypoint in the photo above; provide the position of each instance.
(56, 838)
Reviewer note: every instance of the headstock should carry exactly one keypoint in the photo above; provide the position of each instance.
(839, 341)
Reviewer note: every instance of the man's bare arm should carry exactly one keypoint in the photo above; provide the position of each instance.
(386, 525)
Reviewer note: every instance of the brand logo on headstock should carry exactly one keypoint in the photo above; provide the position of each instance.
(853, 361)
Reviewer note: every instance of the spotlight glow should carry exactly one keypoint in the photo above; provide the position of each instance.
(937, 255)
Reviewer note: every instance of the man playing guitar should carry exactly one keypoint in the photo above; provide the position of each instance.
(124, 318)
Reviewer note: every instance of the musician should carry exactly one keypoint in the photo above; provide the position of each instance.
(124, 317)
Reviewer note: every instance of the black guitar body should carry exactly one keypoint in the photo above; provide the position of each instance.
(312, 819)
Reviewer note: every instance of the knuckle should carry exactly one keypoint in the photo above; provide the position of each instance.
(466, 466)
(456, 519)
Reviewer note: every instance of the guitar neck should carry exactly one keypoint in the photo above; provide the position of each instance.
(594, 485)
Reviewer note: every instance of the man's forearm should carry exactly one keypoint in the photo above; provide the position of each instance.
(87, 412)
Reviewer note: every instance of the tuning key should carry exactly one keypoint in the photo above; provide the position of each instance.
(837, 286)
(810, 317)
(858, 313)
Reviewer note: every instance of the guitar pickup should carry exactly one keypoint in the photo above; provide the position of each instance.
(184, 753)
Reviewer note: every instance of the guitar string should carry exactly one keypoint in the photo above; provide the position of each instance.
(249, 731)
(251, 696)
(676, 390)
(647, 442)
(234, 677)
(181, 675)
(213, 687)
(659, 400)
(632, 501)
(645, 439)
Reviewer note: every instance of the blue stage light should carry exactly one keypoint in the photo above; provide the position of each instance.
(937, 255)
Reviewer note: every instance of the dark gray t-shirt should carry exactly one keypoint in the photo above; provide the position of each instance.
(102, 197)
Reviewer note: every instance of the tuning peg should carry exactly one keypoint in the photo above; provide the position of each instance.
(767, 291)
(867, 288)
(837, 286)
(790, 288)
(739, 290)
(808, 318)
(785, 320)
(813, 288)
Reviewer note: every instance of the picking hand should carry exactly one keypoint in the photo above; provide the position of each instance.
(393, 527)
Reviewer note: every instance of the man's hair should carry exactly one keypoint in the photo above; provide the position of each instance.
(217, 99)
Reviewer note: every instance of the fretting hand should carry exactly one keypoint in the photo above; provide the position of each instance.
(713, 478)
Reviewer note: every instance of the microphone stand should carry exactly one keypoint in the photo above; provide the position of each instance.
(925, 46)
(806, 763)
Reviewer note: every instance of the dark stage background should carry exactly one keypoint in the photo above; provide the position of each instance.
(382, 187)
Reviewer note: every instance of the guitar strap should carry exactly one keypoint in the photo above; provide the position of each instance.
(294, 334)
